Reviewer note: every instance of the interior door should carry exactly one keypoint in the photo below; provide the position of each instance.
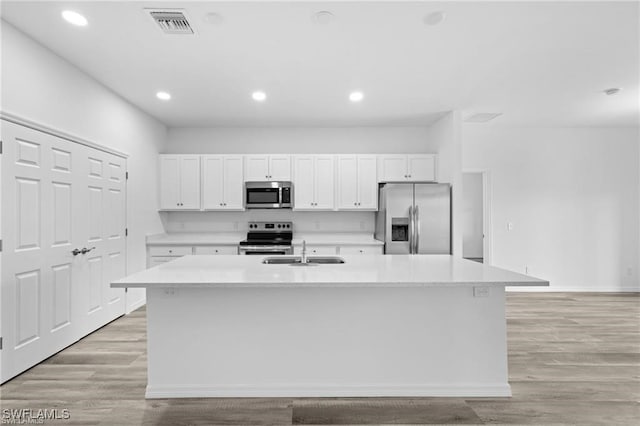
(41, 187)
(433, 218)
(59, 197)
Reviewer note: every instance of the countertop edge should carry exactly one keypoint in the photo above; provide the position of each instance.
(331, 285)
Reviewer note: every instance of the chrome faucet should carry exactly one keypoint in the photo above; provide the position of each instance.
(304, 251)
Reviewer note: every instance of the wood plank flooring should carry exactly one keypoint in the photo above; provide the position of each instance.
(574, 358)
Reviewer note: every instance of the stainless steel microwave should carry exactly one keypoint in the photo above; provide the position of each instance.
(268, 195)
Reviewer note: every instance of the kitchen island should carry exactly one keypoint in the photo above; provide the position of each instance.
(394, 325)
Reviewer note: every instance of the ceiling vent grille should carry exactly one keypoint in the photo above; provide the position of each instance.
(171, 21)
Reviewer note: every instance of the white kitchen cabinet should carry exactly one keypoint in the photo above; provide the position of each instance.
(267, 167)
(179, 182)
(216, 250)
(407, 167)
(357, 182)
(222, 182)
(316, 250)
(364, 249)
(157, 255)
(314, 182)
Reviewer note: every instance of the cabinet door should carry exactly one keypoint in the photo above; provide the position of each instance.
(324, 182)
(280, 167)
(303, 191)
(190, 182)
(169, 182)
(347, 182)
(421, 167)
(233, 183)
(212, 182)
(256, 167)
(367, 182)
(393, 168)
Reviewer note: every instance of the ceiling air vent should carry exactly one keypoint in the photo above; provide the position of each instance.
(171, 21)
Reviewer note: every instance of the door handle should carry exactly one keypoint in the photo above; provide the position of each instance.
(416, 214)
(86, 250)
(76, 252)
(411, 229)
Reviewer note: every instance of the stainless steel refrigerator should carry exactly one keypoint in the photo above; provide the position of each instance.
(414, 218)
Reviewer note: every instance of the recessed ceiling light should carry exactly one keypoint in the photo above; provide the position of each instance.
(163, 96)
(482, 117)
(356, 96)
(214, 18)
(259, 96)
(434, 18)
(74, 18)
(612, 91)
(324, 17)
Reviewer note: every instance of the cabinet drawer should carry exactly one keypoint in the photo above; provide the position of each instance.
(170, 250)
(216, 250)
(317, 250)
(361, 250)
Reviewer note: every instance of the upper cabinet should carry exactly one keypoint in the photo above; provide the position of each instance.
(407, 167)
(267, 167)
(313, 180)
(222, 182)
(179, 182)
(357, 182)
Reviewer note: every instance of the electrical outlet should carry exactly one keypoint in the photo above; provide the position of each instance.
(509, 226)
(481, 292)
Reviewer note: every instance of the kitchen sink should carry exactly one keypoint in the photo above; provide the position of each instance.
(297, 260)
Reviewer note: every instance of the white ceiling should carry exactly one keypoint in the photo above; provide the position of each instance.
(538, 63)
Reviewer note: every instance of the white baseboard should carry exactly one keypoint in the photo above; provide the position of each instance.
(319, 391)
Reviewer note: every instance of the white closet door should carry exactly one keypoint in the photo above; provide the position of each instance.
(50, 191)
(40, 213)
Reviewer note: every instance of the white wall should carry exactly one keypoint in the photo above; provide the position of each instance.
(42, 87)
(472, 220)
(305, 140)
(572, 195)
(445, 135)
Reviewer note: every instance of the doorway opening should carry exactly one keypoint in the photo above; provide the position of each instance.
(476, 232)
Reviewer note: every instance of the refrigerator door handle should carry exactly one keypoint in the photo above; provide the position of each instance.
(411, 229)
(416, 238)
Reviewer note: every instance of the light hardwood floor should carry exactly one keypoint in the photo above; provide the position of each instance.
(574, 358)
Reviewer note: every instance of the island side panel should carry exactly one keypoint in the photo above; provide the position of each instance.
(290, 342)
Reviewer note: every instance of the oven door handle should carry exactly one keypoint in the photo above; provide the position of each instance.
(264, 248)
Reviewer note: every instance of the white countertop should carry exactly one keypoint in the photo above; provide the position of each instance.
(233, 238)
(358, 271)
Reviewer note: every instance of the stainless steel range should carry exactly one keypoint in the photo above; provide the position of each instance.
(268, 238)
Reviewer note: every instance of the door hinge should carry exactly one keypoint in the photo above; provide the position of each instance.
(126, 175)
(0, 343)
(0, 147)
(126, 232)
(0, 246)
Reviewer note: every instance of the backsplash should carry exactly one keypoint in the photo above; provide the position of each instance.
(237, 221)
